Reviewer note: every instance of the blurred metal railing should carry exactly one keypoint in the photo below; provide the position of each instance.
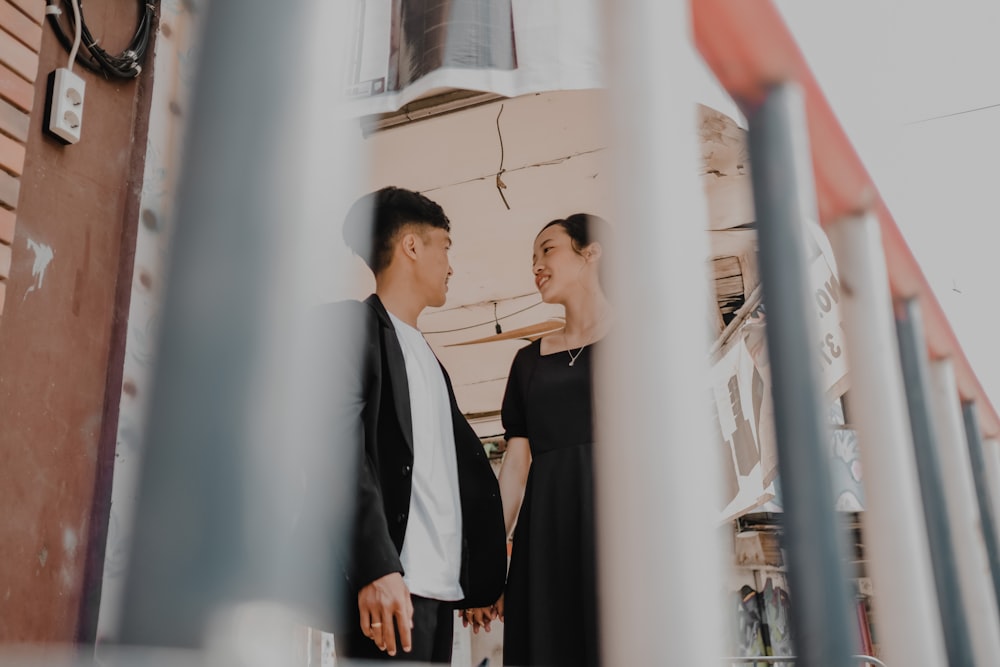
(653, 459)
(236, 414)
(754, 55)
(220, 553)
(784, 201)
(778, 659)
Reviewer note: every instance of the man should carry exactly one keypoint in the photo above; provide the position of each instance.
(428, 526)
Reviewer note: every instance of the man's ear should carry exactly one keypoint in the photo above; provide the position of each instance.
(408, 244)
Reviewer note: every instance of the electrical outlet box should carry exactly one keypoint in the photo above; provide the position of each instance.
(66, 105)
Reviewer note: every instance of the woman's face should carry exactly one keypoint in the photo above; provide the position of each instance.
(559, 269)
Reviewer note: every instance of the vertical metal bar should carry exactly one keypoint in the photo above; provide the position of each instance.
(653, 458)
(954, 620)
(991, 452)
(783, 197)
(893, 521)
(235, 440)
(978, 463)
(981, 609)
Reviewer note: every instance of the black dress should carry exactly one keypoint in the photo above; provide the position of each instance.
(550, 604)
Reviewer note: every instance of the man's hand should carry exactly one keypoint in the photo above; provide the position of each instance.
(385, 607)
(481, 617)
(478, 617)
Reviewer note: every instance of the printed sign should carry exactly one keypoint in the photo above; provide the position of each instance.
(741, 383)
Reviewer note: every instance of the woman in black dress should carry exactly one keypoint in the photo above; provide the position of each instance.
(550, 604)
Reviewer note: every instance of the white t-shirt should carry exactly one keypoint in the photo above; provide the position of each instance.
(432, 546)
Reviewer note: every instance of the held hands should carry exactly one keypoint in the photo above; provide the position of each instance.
(482, 617)
(385, 607)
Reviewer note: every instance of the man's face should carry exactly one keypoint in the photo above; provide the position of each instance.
(433, 267)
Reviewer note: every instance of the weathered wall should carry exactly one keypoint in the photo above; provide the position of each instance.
(61, 343)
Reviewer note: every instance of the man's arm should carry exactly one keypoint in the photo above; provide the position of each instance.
(373, 568)
(373, 553)
(350, 371)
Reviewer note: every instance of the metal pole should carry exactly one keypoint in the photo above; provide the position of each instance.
(656, 479)
(235, 443)
(987, 518)
(895, 534)
(779, 659)
(954, 620)
(783, 196)
(981, 610)
(991, 452)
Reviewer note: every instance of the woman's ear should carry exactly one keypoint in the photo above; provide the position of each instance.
(593, 252)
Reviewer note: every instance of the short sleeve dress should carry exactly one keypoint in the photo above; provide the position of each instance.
(550, 604)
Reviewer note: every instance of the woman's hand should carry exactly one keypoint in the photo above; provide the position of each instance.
(478, 617)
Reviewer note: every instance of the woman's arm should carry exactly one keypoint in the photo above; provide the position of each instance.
(513, 478)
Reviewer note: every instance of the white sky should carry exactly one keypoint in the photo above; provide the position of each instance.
(886, 69)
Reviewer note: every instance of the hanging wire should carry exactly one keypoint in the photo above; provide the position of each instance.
(954, 113)
(501, 186)
(126, 65)
(479, 324)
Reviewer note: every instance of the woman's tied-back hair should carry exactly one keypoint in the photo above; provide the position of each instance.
(376, 219)
(584, 229)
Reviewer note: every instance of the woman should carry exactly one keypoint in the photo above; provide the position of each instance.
(546, 482)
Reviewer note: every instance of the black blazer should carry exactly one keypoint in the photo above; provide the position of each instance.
(373, 413)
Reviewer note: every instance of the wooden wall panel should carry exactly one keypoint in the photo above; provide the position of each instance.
(14, 122)
(11, 155)
(5, 255)
(21, 29)
(18, 24)
(10, 188)
(17, 56)
(33, 9)
(6, 226)
(14, 89)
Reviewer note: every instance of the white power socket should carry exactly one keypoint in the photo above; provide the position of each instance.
(66, 113)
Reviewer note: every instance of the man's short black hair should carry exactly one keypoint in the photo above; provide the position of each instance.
(375, 220)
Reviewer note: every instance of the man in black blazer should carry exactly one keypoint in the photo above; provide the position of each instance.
(428, 523)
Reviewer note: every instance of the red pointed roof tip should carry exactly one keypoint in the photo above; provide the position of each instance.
(749, 48)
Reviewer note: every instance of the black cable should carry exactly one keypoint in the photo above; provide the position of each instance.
(473, 326)
(126, 65)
